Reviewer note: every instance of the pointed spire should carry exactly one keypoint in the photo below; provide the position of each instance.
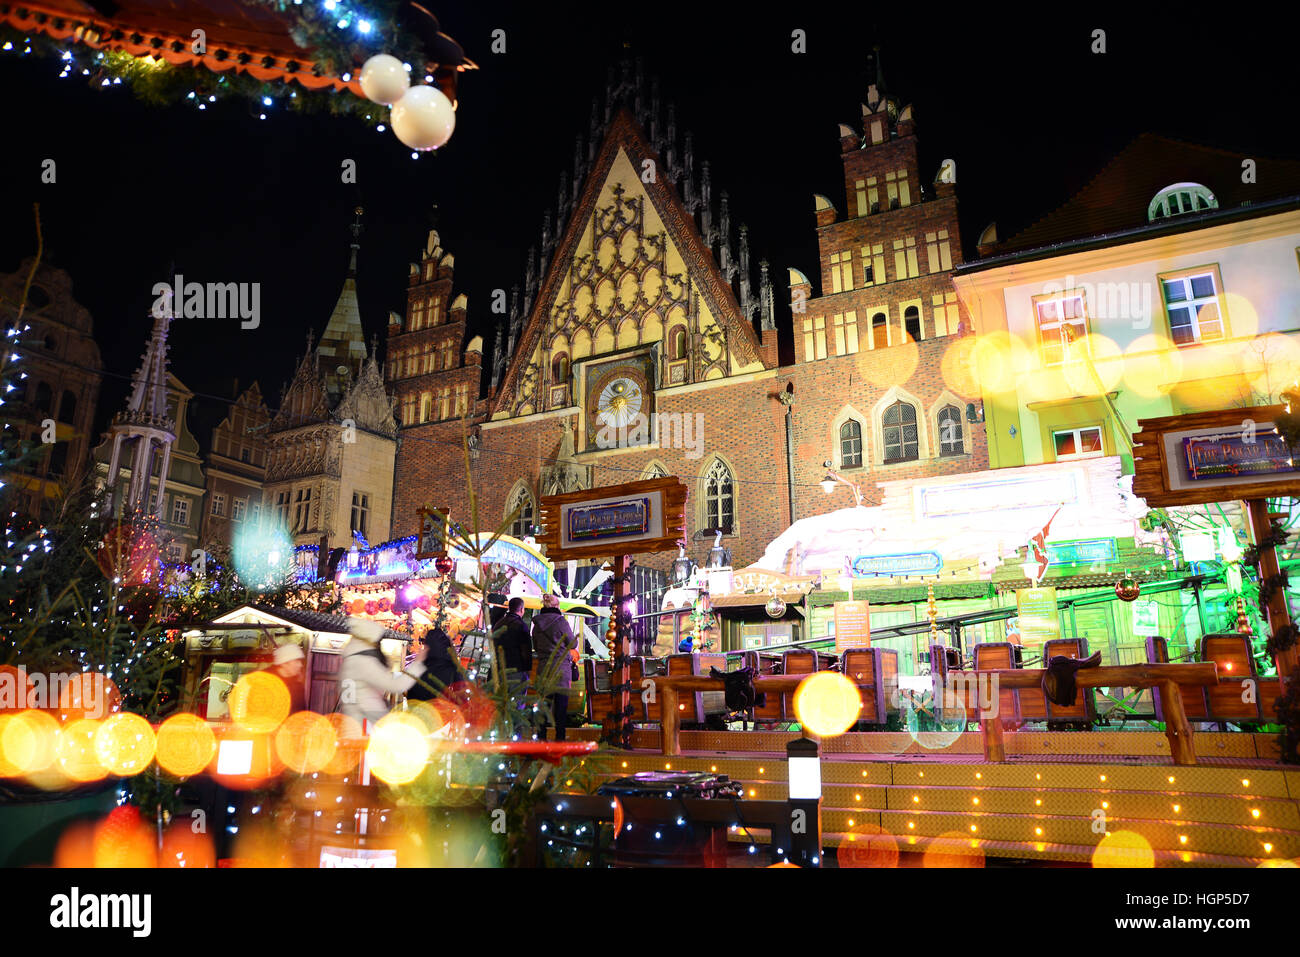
(579, 167)
(674, 171)
(706, 206)
(746, 295)
(148, 396)
(766, 300)
(355, 229)
(728, 259)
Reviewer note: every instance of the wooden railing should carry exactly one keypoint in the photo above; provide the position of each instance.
(1166, 677)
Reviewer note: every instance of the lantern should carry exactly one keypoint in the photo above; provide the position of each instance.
(1127, 588)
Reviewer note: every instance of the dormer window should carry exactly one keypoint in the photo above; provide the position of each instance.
(1179, 199)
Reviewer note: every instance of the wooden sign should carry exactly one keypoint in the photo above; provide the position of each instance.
(1204, 457)
(434, 533)
(852, 625)
(645, 516)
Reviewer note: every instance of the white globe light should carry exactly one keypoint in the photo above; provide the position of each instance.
(424, 118)
(384, 79)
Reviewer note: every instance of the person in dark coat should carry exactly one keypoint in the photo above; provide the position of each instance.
(514, 646)
(555, 644)
(288, 667)
(441, 663)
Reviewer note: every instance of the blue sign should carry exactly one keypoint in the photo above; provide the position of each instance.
(1082, 553)
(610, 520)
(913, 563)
(1233, 455)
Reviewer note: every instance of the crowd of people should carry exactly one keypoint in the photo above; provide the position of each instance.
(367, 682)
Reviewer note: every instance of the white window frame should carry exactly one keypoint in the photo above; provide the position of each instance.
(1077, 432)
(182, 505)
(1193, 303)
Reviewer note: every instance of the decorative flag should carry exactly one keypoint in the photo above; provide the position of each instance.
(1038, 547)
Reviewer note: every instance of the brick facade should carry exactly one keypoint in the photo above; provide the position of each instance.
(732, 396)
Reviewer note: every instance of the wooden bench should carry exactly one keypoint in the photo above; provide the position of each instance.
(875, 673)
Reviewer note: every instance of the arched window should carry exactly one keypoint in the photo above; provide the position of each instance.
(879, 331)
(950, 432)
(560, 369)
(44, 397)
(898, 433)
(912, 323)
(719, 498)
(522, 526)
(67, 407)
(655, 470)
(851, 444)
(677, 343)
(426, 406)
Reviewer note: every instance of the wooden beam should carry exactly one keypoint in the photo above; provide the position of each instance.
(1278, 615)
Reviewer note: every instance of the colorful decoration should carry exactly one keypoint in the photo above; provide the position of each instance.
(444, 566)
(1127, 588)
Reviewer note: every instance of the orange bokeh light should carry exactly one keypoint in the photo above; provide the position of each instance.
(186, 745)
(827, 703)
(952, 849)
(306, 742)
(1153, 365)
(902, 362)
(124, 744)
(15, 689)
(122, 839)
(27, 742)
(351, 744)
(76, 751)
(259, 702)
(182, 847)
(1124, 849)
(868, 846)
(88, 695)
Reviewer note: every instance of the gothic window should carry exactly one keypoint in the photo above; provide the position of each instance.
(719, 498)
(302, 511)
(426, 406)
(560, 369)
(462, 400)
(950, 432)
(898, 433)
(522, 526)
(912, 323)
(655, 471)
(677, 343)
(449, 354)
(851, 444)
(360, 512)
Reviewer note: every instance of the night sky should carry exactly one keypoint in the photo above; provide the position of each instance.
(1027, 112)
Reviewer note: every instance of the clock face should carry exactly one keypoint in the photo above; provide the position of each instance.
(619, 402)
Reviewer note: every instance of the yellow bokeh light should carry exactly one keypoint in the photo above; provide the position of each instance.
(124, 744)
(259, 702)
(1000, 360)
(351, 744)
(827, 703)
(1124, 849)
(1153, 366)
(1269, 362)
(27, 742)
(399, 748)
(76, 751)
(1095, 365)
(903, 359)
(958, 367)
(306, 742)
(185, 745)
(1243, 317)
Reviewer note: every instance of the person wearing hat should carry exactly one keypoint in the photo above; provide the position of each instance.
(289, 667)
(365, 677)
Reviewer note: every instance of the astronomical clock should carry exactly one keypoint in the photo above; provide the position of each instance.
(619, 395)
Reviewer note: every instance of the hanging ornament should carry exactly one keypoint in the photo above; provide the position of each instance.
(1127, 588)
(775, 607)
(384, 79)
(423, 118)
(444, 565)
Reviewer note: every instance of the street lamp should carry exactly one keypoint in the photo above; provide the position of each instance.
(804, 771)
(834, 478)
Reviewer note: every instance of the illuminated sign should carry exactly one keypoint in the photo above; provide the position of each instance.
(1040, 619)
(1082, 553)
(594, 523)
(914, 563)
(1237, 453)
(513, 554)
(1033, 491)
(852, 625)
(760, 580)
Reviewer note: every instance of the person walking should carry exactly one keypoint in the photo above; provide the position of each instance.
(365, 676)
(555, 645)
(440, 664)
(514, 645)
(288, 667)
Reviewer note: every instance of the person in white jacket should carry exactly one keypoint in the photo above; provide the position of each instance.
(365, 676)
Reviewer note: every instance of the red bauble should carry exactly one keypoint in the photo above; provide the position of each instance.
(1127, 588)
(444, 565)
(371, 608)
(130, 554)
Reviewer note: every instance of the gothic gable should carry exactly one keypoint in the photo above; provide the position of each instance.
(631, 269)
(368, 404)
(304, 399)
